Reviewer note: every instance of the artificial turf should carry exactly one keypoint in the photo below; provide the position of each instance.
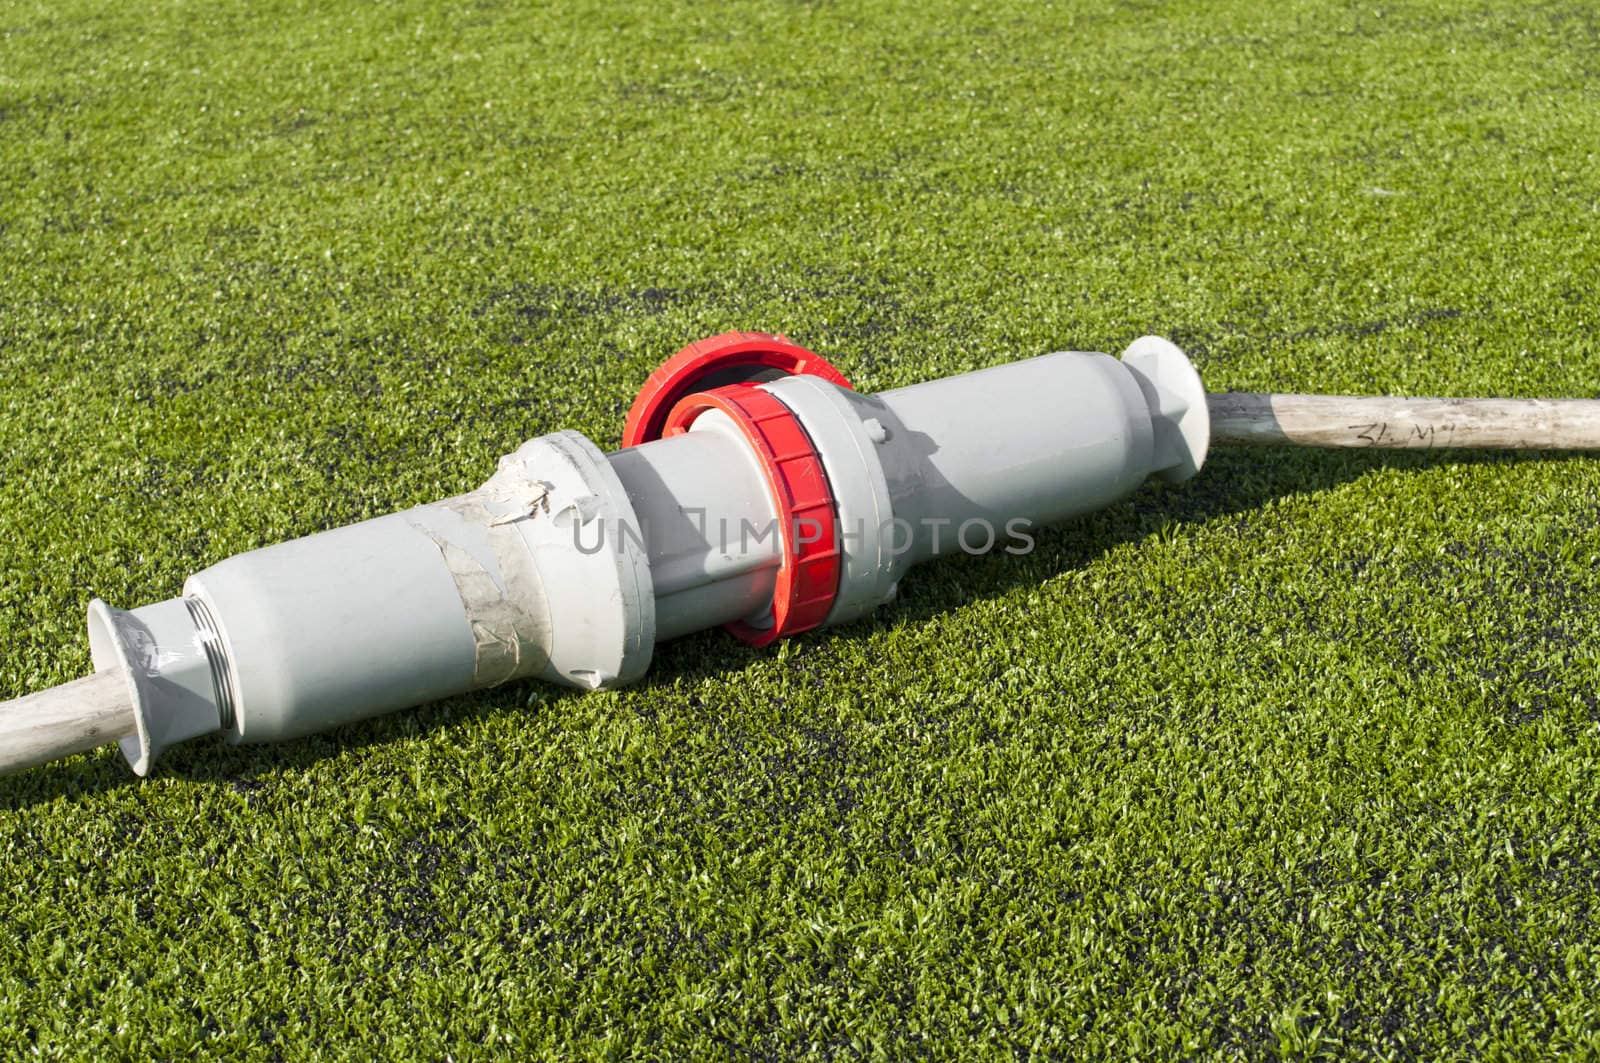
(1297, 759)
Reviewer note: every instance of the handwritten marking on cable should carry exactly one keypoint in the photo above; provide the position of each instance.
(1379, 434)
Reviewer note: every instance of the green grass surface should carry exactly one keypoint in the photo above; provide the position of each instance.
(1297, 759)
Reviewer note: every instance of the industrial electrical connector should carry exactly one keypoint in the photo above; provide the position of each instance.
(755, 490)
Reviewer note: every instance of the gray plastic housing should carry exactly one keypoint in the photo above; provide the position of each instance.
(568, 565)
(968, 463)
(433, 601)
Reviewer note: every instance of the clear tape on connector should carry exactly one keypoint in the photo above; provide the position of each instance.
(502, 595)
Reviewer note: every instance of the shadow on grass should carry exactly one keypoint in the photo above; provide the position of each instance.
(1234, 481)
(215, 760)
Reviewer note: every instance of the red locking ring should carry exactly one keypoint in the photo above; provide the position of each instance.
(731, 358)
(808, 518)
